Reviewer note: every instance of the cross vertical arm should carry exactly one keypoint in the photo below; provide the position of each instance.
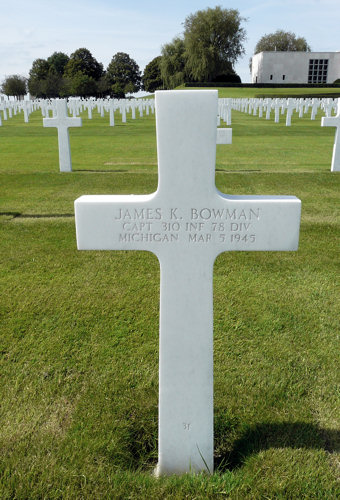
(185, 132)
(185, 442)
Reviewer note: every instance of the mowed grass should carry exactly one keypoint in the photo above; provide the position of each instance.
(79, 330)
(274, 92)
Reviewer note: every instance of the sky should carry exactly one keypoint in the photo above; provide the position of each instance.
(37, 28)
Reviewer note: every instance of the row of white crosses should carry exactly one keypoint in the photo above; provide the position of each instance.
(261, 107)
(63, 122)
(76, 106)
(224, 135)
(327, 105)
(187, 223)
(8, 109)
(124, 106)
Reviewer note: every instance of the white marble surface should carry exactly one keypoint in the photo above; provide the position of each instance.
(224, 136)
(334, 121)
(62, 122)
(187, 222)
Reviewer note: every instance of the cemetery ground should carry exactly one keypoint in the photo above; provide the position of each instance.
(79, 330)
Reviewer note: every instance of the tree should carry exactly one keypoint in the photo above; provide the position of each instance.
(117, 91)
(152, 78)
(53, 84)
(83, 85)
(83, 61)
(122, 72)
(103, 86)
(37, 77)
(173, 63)
(39, 69)
(14, 85)
(282, 41)
(213, 42)
(58, 61)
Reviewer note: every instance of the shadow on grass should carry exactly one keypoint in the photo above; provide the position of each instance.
(235, 171)
(281, 435)
(97, 171)
(142, 444)
(16, 215)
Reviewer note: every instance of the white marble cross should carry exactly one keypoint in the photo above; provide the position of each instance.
(291, 105)
(26, 106)
(111, 106)
(187, 223)
(315, 106)
(268, 108)
(123, 110)
(4, 110)
(63, 122)
(276, 105)
(334, 121)
(133, 110)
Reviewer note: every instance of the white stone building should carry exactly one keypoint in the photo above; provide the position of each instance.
(296, 67)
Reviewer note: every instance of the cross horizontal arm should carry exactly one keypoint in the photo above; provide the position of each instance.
(109, 222)
(64, 122)
(221, 223)
(330, 121)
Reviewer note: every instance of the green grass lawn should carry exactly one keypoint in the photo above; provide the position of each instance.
(79, 330)
(273, 92)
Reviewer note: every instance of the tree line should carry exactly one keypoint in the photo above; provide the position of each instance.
(207, 50)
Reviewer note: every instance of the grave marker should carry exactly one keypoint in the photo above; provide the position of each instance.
(4, 110)
(334, 121)
(290, 108)
(63, 122)
(187, 223)
(276, 105)
(111, 106)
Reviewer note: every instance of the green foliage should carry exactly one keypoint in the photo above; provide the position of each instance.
(53, 83)
(61, 76)
(14, 85)
(103, 86)
(152, 78)
(123, 74)
(37, 78)
(227, 77)
(44, 78)
(117, 91)
(58, 61)
(39, 69)
(282, 41)
(83, 85)
(82, 60)
(173, 63)
(213, 42)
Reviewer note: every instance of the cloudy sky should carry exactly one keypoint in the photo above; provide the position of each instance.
(37, 28)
